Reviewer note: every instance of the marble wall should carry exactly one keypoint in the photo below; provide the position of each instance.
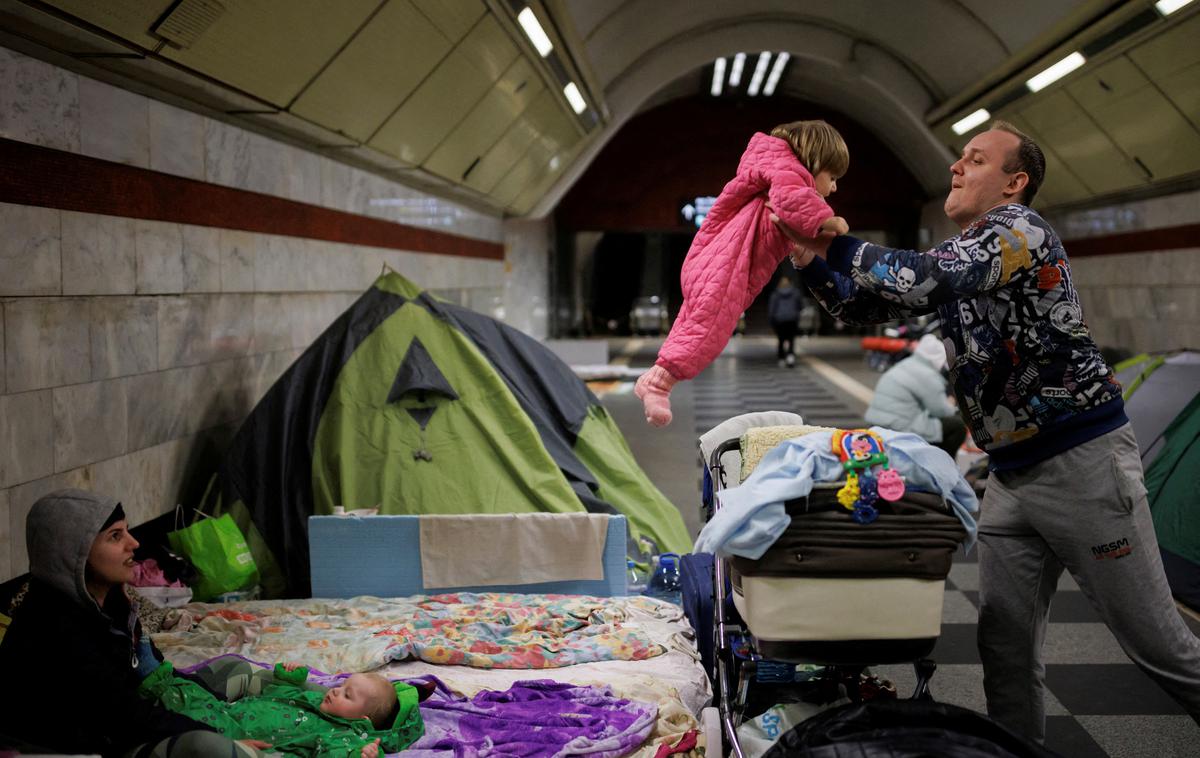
(1143, 301)
(126, 345)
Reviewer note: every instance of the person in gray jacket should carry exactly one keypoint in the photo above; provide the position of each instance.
(911, 397)
(783, 310)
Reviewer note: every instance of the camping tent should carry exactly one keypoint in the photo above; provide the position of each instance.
(415, 405)
(1162, 400)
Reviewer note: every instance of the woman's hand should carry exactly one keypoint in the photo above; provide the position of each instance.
(371, 750)
(291, 665)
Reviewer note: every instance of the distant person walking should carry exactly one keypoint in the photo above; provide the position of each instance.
(783, 310)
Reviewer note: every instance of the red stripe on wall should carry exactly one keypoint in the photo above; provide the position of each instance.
(42, 176)
(1167, 238)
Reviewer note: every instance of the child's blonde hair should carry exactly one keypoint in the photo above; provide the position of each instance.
(383, 701)
(818, 146)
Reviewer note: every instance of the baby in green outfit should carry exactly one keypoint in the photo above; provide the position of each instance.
(356, 719)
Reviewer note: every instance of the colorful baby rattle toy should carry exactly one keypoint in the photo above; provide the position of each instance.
(860, 452)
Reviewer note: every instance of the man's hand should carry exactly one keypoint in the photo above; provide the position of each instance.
(804, 249)
(371, 750)
(291, 665)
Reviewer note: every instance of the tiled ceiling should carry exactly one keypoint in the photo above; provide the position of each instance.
(448, 89)
(1125, 123)
(1128, 121)
(449, 95)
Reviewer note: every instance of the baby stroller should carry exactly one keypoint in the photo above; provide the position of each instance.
(829, 591)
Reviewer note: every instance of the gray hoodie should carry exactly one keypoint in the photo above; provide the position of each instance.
(61, 646)
(59, 533)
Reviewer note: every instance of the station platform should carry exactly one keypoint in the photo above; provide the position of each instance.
(1098, 704)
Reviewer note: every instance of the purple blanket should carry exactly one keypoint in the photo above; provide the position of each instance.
(538, 718)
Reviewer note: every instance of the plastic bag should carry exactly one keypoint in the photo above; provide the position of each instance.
(218, 550)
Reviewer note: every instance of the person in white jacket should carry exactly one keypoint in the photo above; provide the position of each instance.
(911, 397)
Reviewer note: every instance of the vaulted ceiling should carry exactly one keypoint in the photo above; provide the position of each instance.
(451, 96)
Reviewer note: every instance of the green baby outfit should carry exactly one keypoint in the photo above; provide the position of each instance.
(286, 715)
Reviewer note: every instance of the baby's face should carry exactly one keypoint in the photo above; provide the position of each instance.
(352, 699)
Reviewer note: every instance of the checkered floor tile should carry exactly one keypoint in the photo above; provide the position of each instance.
(1098, 703)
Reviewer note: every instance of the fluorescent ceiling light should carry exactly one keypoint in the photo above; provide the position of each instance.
(735, 72)
(1056, 72)
(574, 98)
(533, 30)
(718, 76)
(760, 71)
(969, 122)
(1167, 7)
(776, 72)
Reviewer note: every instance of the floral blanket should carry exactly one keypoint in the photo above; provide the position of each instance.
(487, 630)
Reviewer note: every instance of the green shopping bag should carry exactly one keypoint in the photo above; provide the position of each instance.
(218, 550)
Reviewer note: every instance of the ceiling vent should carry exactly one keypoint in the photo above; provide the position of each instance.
(184, 22)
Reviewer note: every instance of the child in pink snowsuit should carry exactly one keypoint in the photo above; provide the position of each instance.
(737, 249)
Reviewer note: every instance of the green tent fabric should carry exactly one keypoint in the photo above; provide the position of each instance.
(414, 405)
(1162, 400)
(1173, 488)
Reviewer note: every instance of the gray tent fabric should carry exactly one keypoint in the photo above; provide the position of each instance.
(418, 374)
(421, 415)
(1162, 395)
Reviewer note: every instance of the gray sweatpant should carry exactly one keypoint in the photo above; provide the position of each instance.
(1085, 510)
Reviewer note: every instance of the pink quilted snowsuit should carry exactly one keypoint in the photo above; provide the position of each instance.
(732, 257)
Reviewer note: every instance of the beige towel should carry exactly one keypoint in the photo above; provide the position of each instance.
(486, 550)
(758, 441)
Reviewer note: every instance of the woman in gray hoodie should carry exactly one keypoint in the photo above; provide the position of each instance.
(911, 397)
(75, 651)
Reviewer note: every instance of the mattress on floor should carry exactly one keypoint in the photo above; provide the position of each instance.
(365, 633)
(675, 681)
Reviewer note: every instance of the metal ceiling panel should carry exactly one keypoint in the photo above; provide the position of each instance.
(453, 18)
(500, 159)
(449, 94)
(522, 174)
(1172, 61)
(128, 19)
(1183, 89)
(536, 189)
(487, 122)
(247, 45)
(1061, 184)
(489, 48)
(556, 130)
(375, 72)
(1170, 52)
(442, 100)
(1138, 118)
(532, 192)
(502, 156)
(1069, 132)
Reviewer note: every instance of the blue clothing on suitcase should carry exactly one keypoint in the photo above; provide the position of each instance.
(752, 515)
